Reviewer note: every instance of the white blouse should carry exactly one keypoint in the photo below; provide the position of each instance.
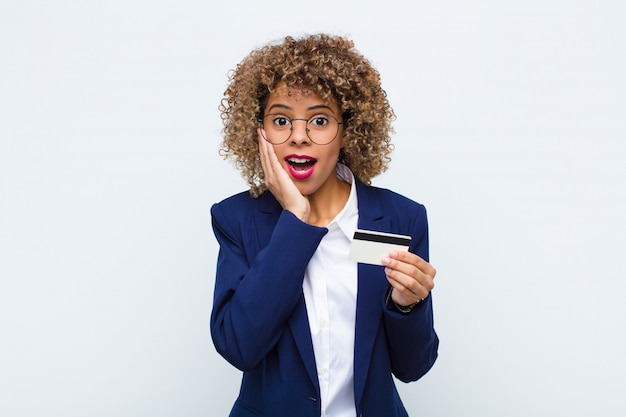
(330, 291)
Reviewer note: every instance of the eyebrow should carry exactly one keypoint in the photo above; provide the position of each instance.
(286, 107)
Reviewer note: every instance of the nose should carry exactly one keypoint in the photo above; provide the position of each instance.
(299, 133)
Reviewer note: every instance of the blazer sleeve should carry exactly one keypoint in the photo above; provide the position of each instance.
(255, 293)
(412, 340)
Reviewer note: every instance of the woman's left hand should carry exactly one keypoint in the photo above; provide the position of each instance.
(411, 277)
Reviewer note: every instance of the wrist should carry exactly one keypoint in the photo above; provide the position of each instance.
(301, 212)
(405, 309)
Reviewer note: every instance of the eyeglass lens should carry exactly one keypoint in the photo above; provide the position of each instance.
(321, 129)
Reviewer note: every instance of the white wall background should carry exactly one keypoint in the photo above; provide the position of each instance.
(511, 129)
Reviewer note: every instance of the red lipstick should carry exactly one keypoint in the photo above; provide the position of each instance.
(300, 167)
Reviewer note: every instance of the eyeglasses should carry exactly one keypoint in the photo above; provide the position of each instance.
(322, 129)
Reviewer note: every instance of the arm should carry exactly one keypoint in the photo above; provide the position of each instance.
(412, 340)
(253, 300)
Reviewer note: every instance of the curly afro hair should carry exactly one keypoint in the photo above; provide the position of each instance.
(321, 64)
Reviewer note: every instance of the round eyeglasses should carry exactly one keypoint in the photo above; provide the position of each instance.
(322, 129)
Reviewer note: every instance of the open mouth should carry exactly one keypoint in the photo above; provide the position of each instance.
(301, 164)
(300, 167)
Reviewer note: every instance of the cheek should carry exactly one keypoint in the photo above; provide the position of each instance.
(342, 143)
(337, 151)
(278, 150)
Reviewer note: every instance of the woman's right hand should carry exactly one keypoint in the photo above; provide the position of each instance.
(279, 183)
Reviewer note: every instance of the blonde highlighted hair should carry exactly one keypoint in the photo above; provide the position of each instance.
(322, 64)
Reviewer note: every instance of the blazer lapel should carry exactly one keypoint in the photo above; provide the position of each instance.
(299, 325)
(372, 285)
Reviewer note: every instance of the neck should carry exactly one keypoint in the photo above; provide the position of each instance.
(327, 202)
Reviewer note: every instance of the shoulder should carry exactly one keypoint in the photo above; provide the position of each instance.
(402, 215)
(243, 204)
(234, 209)
(235, 201)
(388, 199)
(232, 215)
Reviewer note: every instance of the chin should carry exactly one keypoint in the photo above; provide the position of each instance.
(305, 191)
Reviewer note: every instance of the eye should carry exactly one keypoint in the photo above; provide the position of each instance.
(318, 121)
(280, 121)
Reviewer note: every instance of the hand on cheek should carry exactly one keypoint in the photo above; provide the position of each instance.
(279, 183)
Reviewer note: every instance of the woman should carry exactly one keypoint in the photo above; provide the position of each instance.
(316, 334)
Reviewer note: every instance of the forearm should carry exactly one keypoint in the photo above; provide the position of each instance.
(253, 303)
(413, 342)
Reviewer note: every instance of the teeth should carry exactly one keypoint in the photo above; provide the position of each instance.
(298, 160)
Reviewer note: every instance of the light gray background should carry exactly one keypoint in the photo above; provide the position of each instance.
(511, 130)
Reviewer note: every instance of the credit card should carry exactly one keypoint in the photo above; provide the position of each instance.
(371, 247)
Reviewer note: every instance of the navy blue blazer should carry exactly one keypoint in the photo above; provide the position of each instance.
(259, 322)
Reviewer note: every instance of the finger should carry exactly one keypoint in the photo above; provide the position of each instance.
(277, 167)
(263, 153)
(408, 274)
(266, 151)
(269, 161)
(406, 283)
(406, 295)
(404, 259)
(401, 268)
